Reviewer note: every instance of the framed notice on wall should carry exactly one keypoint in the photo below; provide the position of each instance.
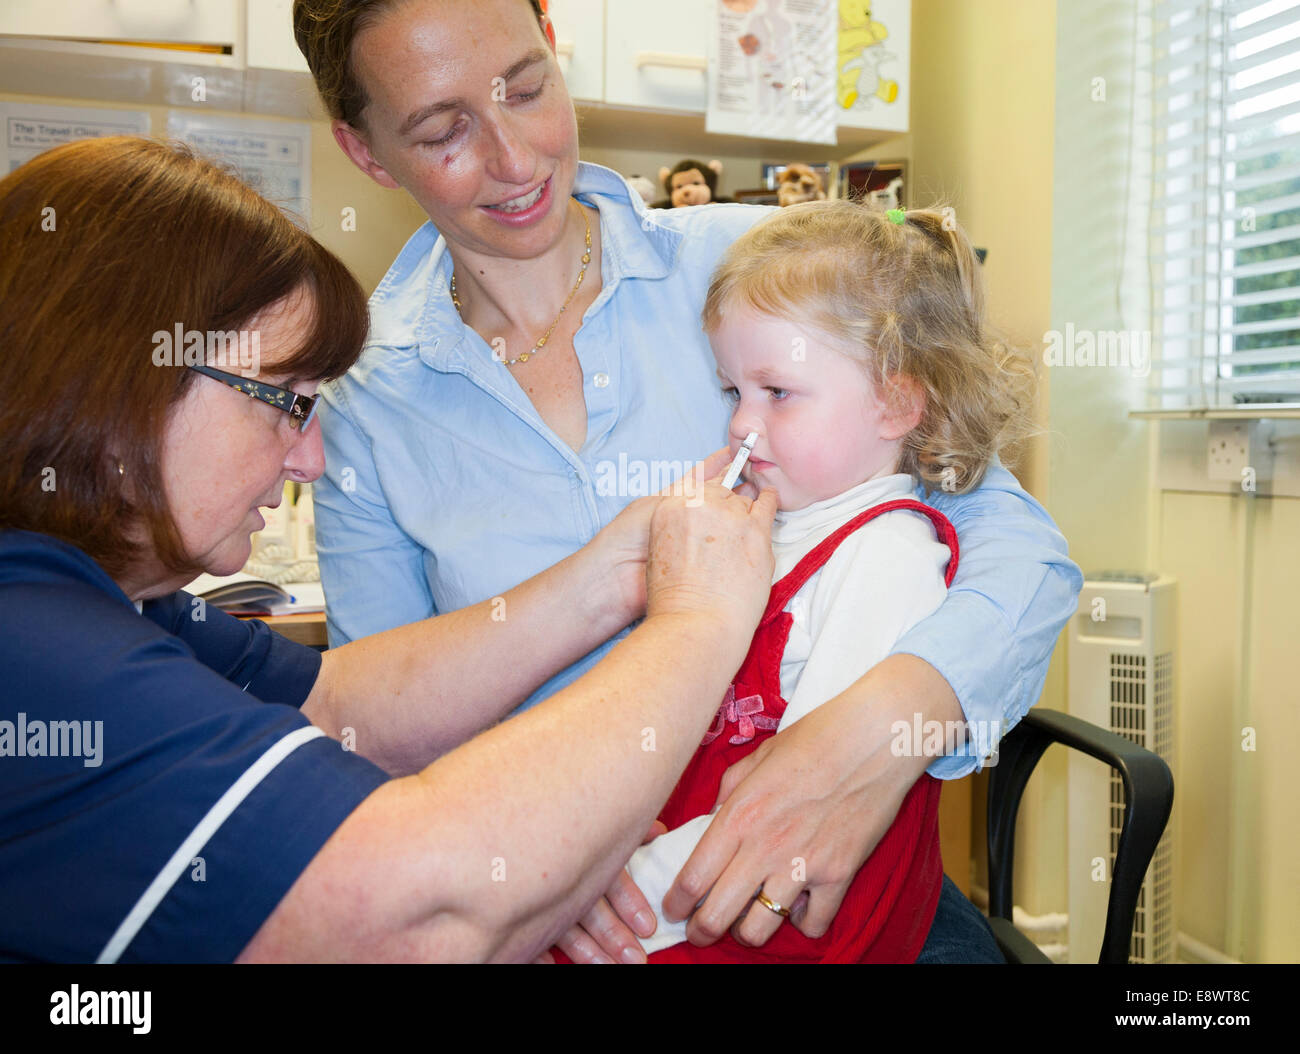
(273, 157)
(32, 129)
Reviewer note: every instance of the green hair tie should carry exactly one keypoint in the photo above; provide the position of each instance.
(895, 216)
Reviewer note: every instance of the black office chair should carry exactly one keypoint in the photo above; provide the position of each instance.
(1148, 797)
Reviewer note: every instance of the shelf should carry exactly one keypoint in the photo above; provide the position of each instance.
(677, 134)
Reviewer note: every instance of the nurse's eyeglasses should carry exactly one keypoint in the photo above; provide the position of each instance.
(302, 408)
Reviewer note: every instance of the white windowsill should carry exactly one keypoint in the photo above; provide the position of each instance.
(1245, 412)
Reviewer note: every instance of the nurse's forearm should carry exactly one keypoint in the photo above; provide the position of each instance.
(586, 776)
(492, 851)
(413, 693)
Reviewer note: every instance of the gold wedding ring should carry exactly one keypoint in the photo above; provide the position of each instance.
(772, 905)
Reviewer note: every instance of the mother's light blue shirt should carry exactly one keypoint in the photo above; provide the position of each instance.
(443, 487)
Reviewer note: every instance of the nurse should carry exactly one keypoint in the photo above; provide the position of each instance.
(177, 785)
(542, 329)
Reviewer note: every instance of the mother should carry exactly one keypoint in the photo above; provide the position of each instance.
(171, 780)
(535, 355)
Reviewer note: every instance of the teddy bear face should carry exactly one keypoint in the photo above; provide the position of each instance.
(690, 188)
(798, 183)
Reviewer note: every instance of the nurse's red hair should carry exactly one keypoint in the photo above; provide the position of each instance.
(104, 242)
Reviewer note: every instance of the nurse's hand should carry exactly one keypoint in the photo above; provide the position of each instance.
(711, 555)
(625, 538)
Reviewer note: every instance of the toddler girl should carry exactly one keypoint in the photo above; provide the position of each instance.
(853, 343)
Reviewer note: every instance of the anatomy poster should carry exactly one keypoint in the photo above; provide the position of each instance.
(772, 69)
(871, 67)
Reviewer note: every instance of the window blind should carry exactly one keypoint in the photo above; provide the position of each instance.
(1225, 221)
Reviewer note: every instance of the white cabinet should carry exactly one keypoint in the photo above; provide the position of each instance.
(656, 54)
(579, 42)
(270, 37)
(172, 21)
(638, 70)
(580, 46)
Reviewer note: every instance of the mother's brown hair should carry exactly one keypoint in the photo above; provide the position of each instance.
(104, 242)
(325, 31)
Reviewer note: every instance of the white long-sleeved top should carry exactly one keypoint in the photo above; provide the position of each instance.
(883, 579)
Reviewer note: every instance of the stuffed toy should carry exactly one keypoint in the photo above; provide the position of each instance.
(690, 183)
(888, 197)
(798, 183)
(645, 188)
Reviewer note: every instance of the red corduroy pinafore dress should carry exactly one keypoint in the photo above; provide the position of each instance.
(889, 908)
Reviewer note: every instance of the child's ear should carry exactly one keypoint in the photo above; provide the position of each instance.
(903, 409)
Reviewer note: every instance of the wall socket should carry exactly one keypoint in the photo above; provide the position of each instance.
(1238, 452)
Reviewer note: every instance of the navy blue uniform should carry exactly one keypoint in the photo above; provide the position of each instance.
(159, 789)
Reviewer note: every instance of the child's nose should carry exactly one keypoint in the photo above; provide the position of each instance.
(744, 421)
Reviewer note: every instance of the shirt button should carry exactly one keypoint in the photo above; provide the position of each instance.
(601, 380)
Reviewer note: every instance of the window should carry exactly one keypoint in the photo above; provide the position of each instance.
(1225, 221)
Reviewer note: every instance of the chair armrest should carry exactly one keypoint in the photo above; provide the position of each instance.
(1016, 948)
(1148, 799)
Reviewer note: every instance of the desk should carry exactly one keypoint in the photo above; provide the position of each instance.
(306, 628)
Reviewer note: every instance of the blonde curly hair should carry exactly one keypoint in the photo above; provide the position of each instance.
(907, 301)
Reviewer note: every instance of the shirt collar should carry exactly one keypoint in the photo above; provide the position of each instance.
(638, 244)
(796, 524)
(633, 245)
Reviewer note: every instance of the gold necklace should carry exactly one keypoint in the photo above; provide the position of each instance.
(586, 259)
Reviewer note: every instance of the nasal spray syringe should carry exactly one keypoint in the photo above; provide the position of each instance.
(738, 462)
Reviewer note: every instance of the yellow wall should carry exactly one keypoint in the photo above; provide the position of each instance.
(385, 218)
(1234, 805)
(982, 107)
(1007, 127)
(1268, 928)
(982, 141)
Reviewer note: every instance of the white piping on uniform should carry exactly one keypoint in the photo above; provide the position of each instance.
(197, 838)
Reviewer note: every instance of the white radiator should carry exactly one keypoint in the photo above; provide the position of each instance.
(1121, 678)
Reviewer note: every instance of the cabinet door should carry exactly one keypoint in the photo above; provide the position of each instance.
(173, 21)
(656, 54)
(580, 45)
(270, 36)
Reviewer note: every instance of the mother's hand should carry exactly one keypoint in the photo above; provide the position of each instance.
(807, 808)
